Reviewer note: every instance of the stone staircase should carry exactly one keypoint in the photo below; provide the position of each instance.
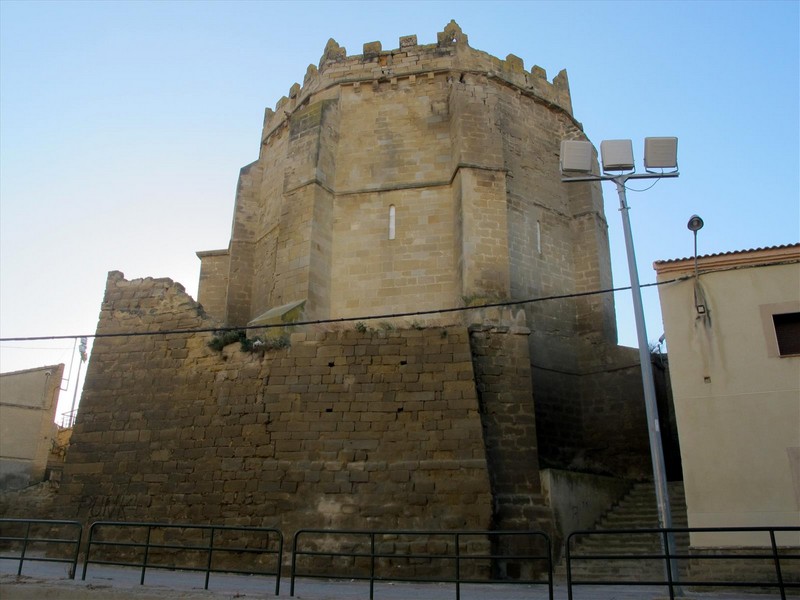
(636, 510)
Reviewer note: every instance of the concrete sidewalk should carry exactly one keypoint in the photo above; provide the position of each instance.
(45, 581)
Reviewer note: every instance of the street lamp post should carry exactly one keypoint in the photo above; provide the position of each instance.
(617, 155)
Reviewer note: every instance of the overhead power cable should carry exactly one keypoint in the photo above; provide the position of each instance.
(418, 313)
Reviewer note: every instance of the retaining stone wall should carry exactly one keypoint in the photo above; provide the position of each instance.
(374, 429)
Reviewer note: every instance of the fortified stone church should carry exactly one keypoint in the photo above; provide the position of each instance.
(394, 181)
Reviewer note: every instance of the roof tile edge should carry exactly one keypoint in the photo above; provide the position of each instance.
(770, 255)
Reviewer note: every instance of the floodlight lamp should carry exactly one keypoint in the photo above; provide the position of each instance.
(576, 157)
(661, 153)
(695, 223)
(617, 155)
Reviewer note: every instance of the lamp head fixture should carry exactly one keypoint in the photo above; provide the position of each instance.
(577, 157)
(617, 155)
(695, 223)
(660, 153)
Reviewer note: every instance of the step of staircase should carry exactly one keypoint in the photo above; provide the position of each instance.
(636, 510)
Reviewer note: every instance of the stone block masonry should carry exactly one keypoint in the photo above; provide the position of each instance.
(427, 177)
(459, 147)
(502, 369)
(344, 429)
(213, 284)
(405, 180)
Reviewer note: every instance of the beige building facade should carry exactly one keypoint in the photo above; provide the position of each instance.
(733, 336)
(28, 401)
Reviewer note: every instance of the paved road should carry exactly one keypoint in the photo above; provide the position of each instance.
(49, 581)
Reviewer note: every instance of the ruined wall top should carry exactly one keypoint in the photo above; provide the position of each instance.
(450, 53)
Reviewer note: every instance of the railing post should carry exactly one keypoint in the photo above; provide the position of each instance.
(372, 565)
(777, 560)
(665, 545)
(77, 551)
(88, 550)
(146, 554)
(24, 547)
(210, 553)
(458, 565)
(294, 561)
(550, 565)
(569, 568)
(280, 562)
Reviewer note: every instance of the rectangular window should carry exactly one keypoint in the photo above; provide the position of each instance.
(787, 333)
(539, 236)
(392, 216)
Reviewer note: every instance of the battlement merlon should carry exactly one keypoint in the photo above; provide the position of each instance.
(450, 53)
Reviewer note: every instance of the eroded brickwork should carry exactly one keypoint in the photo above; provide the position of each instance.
(509, 424)
(342, 429)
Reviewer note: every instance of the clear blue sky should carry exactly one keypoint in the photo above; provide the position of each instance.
(123, 126)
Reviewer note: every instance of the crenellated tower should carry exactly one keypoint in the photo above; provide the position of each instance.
(419, 178)
(415, 179)
(452, 149)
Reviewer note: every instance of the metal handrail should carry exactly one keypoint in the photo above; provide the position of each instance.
(26, 540)
(210, 549)
(453, 553)
(457, 557)
(668, 557)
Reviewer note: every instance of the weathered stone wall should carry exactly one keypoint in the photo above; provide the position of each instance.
(341, 429)
(212, 289)
(502, 369)
(462, 145)
(39, 501)
(457, 152)
(614, 437)
(595, 421)
(243, 273)
(509, 425)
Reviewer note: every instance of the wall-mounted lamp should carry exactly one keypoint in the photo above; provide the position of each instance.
(694, 225)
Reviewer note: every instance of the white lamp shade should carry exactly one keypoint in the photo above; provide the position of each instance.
(617, 155)
(576, 156)
(661, 153)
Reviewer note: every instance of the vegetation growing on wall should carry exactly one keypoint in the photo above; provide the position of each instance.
(256, 344)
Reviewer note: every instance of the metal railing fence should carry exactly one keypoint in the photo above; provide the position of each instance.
(170, 539)
(456, 549)
(26, 534)
(443, 556)
(669, 559)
